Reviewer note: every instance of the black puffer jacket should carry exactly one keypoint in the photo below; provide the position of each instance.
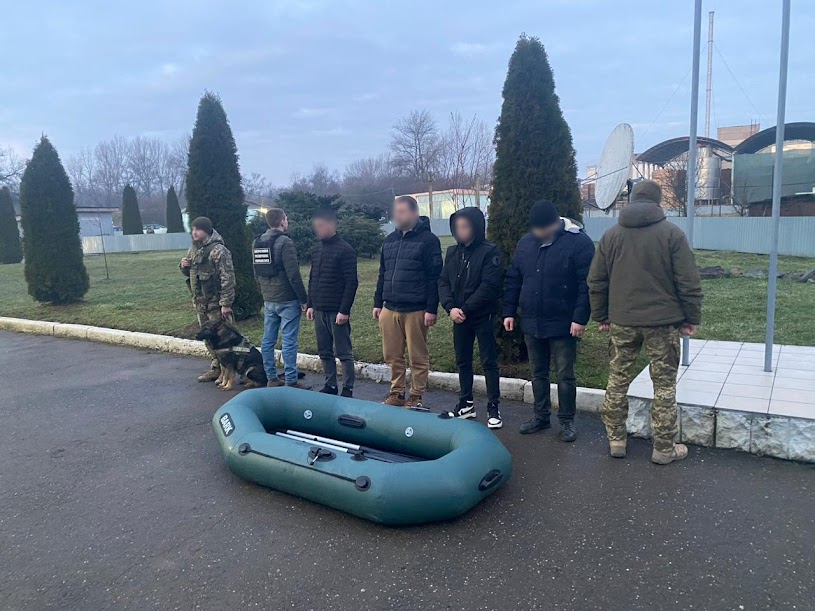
(549, 282)
(409, 269)
(472, 274)
(332, 282)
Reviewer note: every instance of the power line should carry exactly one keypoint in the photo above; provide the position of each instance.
(738, 84)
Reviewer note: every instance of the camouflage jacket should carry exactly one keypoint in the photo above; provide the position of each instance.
(210, 276)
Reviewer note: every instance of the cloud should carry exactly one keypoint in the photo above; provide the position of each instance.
(473, 49)
(366, 97)
(334, 131)
(169, 69)
(310, 113)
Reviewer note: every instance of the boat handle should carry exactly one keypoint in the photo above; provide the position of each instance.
(490, 479)
(354, 422)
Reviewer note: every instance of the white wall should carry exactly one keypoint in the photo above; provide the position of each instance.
(136, 243)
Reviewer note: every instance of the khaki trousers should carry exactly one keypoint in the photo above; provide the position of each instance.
(401, 329)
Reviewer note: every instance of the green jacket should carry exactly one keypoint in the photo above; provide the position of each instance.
(644, 273)
(210, 276)
(287, 284)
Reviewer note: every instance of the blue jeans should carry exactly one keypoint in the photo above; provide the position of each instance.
(285, 314)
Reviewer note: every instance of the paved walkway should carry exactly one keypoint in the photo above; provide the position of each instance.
(113, 494)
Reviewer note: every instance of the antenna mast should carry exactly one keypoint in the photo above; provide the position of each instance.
(709, 90)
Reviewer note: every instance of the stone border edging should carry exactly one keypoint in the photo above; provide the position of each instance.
(514, 389)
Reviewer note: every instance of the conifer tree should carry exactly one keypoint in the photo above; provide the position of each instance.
(175, 223)
(54, 269)
(534, 158)
(11, 249)
(214, 190)
(131, 216)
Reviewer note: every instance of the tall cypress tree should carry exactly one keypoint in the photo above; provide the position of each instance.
(214, 190)
(54, 269)
(175, 224)
(534, 157)
(131, 216)
(11, 249)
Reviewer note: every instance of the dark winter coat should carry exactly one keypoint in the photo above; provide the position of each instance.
(472, 274)
(549, 282)
(409, 268)
(332, 282)
(644, 274)
(287, 284)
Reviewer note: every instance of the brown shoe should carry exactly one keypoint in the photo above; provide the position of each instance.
(299, 385)
(414, 402)
(275, 383)
(679, 452)
(396, 399)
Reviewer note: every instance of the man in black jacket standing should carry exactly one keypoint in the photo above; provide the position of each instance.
(332, 286)
(407, 299)
(469, 289)
(547, 278)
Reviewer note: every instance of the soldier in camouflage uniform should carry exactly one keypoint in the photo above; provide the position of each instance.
(645, 291)
(211, 278)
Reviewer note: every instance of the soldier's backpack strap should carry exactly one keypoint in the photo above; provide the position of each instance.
(263, 260)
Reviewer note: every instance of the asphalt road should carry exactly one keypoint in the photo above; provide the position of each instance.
(113, 494)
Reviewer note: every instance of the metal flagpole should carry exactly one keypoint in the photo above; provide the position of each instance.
(778, 171)
(692, 151)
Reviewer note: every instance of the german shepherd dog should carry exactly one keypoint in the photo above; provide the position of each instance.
(234, 353)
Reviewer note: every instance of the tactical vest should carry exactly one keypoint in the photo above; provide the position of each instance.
(203, 279)
(263, 256)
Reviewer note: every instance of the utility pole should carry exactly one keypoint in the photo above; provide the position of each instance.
(709, 90)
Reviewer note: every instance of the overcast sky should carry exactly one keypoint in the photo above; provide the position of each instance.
(324, 80)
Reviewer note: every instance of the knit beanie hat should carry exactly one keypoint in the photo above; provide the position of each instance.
(202, 223)
(543, 214)
(647, 190)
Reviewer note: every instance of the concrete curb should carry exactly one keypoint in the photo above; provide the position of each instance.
(513, 389)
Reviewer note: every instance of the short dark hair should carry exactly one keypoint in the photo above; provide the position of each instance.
(407, 199)
(325, 214)
(274, 216)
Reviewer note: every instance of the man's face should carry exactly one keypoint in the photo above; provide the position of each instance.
(198, 235)
(404, 217)
(464, 230)
(284, 224)
(546, 233)
(323, 228)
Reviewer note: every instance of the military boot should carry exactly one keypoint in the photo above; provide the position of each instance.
(213, 374)
(679, 452)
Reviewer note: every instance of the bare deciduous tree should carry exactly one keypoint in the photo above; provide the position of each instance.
(467, 156)
(11, 166)
(111, 158)
(416, 146)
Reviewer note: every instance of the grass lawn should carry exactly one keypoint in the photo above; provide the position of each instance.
(146, 292)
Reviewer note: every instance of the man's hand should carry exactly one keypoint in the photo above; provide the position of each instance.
(377, 313)
(577, 329)
(430, 319)
(309, 313)
(604, 327)
(458, 316)
(185, 263)
(509, 323)
(342, 319)
(226, 312)
(688, 330)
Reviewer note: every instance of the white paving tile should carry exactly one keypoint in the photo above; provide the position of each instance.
(795, 410)
(700, 386)
(793, 394)
(723, 344)
(724, 360)
(721, 367)
(802, 374)
(692, 373)
(744, 390)
(719, 352)
(744, 404)
(797, 362)
(803, 350)
(749, 380)
(691, 397)
(752, 370)
(796, 383)
(753, 362)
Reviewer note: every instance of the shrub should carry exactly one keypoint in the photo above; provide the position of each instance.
(174, 220)
(131, 216)
(11, 249)
(362, 232)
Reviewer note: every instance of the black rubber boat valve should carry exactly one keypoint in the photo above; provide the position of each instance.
(315, 454)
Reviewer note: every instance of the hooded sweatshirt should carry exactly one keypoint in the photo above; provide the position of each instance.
(644, 273)
(473, 272)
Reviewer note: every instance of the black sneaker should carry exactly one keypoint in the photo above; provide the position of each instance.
(567, 432)
(346, 392)
(465, 409)
(329, 390)
(534, 425)
(494, 416)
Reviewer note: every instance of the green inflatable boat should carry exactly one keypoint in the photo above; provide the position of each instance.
(381, 463)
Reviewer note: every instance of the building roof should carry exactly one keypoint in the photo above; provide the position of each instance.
(665, 151)
(803, 130)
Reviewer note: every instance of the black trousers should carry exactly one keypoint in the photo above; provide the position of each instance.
(334, 341)
(563, 351)
(464, 336)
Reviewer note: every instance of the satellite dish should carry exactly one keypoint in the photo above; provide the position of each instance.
(615, 166)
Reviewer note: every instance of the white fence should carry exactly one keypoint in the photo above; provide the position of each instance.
(796, 234)
(136, 243)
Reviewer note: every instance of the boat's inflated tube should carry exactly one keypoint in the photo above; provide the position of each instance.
(382, 463)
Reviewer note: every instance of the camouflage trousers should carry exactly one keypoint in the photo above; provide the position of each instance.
(662, 347)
